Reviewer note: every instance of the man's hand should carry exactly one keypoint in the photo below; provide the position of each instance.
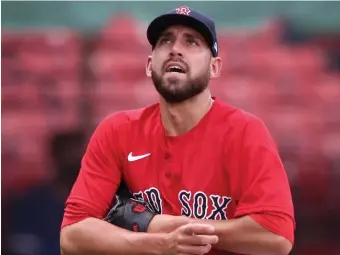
(163, 223)
(191, 239)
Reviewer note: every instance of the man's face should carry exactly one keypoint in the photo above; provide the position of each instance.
(181, 64)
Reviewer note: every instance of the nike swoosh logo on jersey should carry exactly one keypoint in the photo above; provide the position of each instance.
(134, 158)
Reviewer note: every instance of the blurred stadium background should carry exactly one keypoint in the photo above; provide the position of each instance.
(66, 65)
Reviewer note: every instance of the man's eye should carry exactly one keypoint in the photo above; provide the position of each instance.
(192, 42)
(164, 40)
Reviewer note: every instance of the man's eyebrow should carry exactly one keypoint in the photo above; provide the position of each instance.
(190, 35)
(186, 35)
(166, 33)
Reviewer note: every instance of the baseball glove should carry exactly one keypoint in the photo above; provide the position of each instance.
(129, 213)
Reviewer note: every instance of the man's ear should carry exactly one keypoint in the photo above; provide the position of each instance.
(215, 67)
(148, 66)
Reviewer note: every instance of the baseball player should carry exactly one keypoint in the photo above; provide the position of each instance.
(201, 176)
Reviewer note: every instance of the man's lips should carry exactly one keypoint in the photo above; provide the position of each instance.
(175, 66)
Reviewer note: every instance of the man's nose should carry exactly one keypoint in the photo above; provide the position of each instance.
(176, 49)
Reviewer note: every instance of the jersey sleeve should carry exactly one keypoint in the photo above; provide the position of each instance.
(264, 188)
(99, 176)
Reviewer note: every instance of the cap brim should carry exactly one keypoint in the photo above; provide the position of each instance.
(161, 23)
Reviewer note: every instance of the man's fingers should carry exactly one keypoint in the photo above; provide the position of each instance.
(194, 239)
(198, 239)
(198, 250)
(198, 229)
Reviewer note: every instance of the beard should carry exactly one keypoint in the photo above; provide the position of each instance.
(174, 92)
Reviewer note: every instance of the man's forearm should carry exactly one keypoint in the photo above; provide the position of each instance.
(242, 235)
(245, 236)
(96, 237)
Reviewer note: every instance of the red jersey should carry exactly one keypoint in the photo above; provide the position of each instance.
(225, 167)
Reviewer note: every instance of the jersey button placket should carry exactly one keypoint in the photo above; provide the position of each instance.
(168, 174)
(167, 157)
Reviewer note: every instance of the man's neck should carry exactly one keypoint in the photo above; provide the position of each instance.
(179, 118)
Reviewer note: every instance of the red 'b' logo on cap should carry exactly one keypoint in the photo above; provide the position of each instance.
(183, 10)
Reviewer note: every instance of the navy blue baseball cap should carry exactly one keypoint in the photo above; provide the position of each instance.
(185, 16)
